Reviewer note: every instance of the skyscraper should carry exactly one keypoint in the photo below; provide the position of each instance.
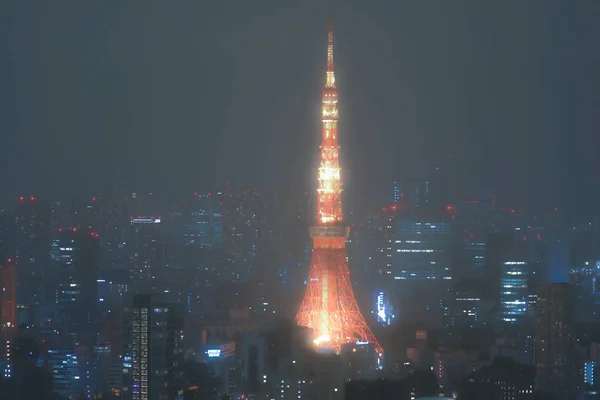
(147, 251)
(32, 224)
(203, 225)
(8, 313)
(555, 352)
(33, 236)
(75, 275)
(415, 192)
(154, 350)
(8, 295)
(514, 292)
(422, 250)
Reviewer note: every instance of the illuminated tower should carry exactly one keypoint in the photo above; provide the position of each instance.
(329, 306)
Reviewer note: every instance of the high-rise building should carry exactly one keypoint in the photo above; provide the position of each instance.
(76, 269)
(8, 295)
(514, 294)
(147, 250)
(245, 230)
(420, 267)
(359, 360)
(467, 303)
(67, 378)
(8, 314)
(111, 221)
(558, 369)
(33, 236)
(500, 249)
(203, 222)
(476, 213)
(32, 239)
(475, 255)
(329, 307)
(559, 259)
(367, 255)
(7, 235)
(155, 350)
(414, 192)
(422, 250)
(58, 216)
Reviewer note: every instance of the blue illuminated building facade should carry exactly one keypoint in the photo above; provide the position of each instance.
(383, 309)
(513, 291)
(66, 373)
(589, 369)
(5, 369)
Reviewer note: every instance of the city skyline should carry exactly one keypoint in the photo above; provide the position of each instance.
(182, 228)
(175, 100)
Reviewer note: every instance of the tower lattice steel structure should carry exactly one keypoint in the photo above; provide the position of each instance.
(329, 306)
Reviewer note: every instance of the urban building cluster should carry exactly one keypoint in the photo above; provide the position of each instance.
(135, 296)
(225, 295)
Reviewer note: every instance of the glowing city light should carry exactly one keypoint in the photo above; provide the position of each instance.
(213, 353)
(322, 339)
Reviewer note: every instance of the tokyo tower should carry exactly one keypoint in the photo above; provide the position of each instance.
(329, 306)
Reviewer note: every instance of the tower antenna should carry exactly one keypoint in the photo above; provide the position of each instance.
(330, 19)
(330, 77)
(331, 10)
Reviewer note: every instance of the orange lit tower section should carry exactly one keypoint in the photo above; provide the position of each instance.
(329, 306)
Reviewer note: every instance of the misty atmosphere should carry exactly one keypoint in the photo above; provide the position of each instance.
(315, 200)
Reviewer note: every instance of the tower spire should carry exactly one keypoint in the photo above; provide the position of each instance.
(330, 75)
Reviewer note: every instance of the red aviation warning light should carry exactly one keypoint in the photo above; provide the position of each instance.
(329, 306)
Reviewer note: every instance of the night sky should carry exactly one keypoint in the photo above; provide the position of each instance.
(183, 95)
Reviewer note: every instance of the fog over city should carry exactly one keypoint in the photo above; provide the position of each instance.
(323, 200)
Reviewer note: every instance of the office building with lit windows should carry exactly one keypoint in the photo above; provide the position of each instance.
(155, 351)
(508, 258)
(514, 292)
(75, 269)
(415, 192)
(147, 252)
(421, 250)
(475, 252)
(32, 240)
(468, 301)
(66, 370)
(558, 364)
(203, 224)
